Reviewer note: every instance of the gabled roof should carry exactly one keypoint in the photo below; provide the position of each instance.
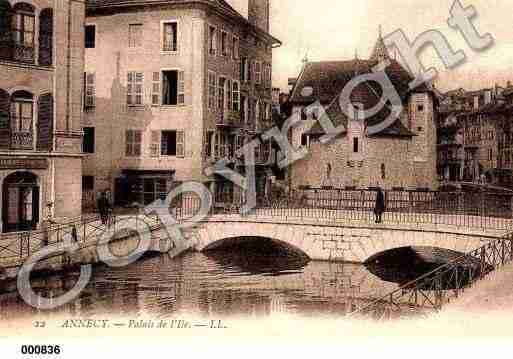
(324, 82)
(327, 79)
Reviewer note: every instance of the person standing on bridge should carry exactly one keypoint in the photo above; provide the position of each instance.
(379, 207)
(103, 207)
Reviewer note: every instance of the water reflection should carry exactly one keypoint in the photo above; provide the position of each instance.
(219, 283)
(407, 264)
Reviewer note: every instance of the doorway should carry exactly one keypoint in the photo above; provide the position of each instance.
(20, 212)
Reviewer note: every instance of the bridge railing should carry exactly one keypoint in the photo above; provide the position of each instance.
(15, 248)
(476, 210)
(437, 288)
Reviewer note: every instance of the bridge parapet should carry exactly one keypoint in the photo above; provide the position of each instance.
(328, 238)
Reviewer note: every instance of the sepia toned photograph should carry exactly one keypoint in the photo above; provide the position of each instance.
(271, 171)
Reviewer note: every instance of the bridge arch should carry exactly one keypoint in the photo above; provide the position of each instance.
(241, 241)
(339, 242)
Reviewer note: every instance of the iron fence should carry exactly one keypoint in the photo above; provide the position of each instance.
(437, 288)
(15, 248)
(475, 210)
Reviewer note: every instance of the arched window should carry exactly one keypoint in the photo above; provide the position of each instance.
(23, 32)
(6, 43)
(46, 37)
(5, 128)
(383, 171)
(22, 115)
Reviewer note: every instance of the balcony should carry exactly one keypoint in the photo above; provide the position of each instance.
(22, 140)
(24, 54)
(229, 119)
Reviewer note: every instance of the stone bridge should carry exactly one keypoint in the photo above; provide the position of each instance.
(339, 241)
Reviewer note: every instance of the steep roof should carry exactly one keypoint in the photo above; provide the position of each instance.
(380, 52)
(324, 82)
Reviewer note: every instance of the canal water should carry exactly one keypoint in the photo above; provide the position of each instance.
(230, 282)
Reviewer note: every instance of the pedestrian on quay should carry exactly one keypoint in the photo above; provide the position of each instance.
(379, 207)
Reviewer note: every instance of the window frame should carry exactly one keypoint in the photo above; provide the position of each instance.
(133, 85)
(179, 84)
(224, 43)
(178, 134)
(93, 145)
(95, 33)
(158, 92)
(258, 72)
(212, 98)
(235, 47)
(177, 35)
(141, 26)
(236, 96)
(212, 41)
(89, 99)
(134, 143)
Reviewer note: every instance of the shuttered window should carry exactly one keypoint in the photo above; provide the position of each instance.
(133, 143)
(155, 89)
(155, 144)
(45, 123)
(23, 31)
(6, 45)
(212, 90)
(135, 85)
(180, 144)
(229, 94)
(46, 37)
(236, 96)
(181, 88)
(5, 127)
(89, 90)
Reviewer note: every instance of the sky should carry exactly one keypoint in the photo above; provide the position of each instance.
(335, 29)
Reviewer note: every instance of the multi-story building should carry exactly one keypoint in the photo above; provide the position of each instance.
(171, 88)
(475, 136)
(401, 154)
(41, 67)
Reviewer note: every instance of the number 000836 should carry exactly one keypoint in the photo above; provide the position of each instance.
(41, 349)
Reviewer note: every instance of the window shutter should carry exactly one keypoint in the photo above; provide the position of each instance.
(138, 88)
(5, 127)
(163, 146)
(137, 142)
(181, 87)
(45, 123)
(180, 144)
(46, 37)
(6, 43)
(89, 92)
(155, 90)
(229, 94)
(128, 141)
(155, 144)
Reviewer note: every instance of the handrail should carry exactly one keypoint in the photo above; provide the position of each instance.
(436, 276)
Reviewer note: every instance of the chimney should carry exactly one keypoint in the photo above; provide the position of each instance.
(258, 13)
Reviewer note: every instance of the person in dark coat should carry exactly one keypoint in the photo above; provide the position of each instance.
(103, 207)
(379, 208)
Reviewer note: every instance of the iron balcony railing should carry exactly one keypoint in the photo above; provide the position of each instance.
(22, 140)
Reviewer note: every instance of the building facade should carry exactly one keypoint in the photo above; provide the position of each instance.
(169, 90)
(475, 136)
(41, 67)
(400, 156)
